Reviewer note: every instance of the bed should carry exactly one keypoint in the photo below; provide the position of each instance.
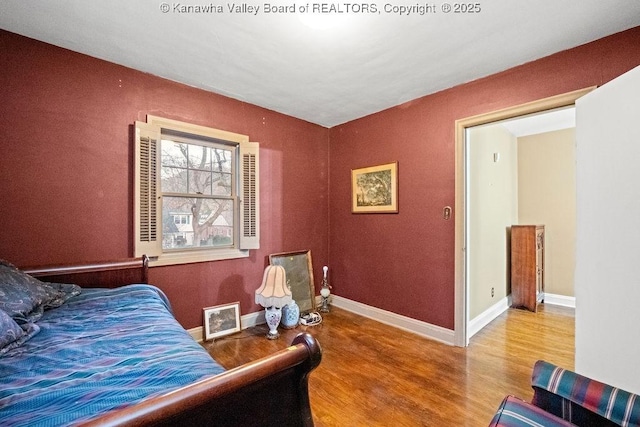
(99, 346)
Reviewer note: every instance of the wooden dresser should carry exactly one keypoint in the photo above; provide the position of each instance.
(527, 266)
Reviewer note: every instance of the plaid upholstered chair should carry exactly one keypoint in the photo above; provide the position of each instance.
(514, 412)
(564, 398)
(581, 400)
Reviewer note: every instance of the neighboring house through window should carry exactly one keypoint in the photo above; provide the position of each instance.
(196, 193)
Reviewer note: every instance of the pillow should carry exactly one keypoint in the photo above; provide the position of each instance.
(59, 293)
(12, 335)
(25, 298)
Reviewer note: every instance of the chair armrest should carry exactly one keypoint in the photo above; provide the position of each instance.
(582, 400)
(514, 412)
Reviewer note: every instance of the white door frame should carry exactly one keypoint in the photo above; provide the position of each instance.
(461, 321)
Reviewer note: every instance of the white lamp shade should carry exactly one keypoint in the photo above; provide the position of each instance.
(274, 291)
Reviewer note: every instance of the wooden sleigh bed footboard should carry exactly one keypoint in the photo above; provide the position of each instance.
(269, 391)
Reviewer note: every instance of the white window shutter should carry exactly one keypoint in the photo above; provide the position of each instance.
(147, 216)
(249, 196)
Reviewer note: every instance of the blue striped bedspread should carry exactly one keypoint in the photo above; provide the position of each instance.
(103, 349)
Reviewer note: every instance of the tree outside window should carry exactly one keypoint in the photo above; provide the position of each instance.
(197, 183)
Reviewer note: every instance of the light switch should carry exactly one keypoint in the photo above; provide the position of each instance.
(446, 212)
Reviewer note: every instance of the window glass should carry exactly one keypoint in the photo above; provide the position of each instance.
(203, 170)
(213, 227)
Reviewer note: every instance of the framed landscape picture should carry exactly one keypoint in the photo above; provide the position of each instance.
(375, 189)
(221, 320)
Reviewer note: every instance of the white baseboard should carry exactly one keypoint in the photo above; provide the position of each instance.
(476, 324)
(483, 319)
(196, 333)
(417, 327)
(562, 300)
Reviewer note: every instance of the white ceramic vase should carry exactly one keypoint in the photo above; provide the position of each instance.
(290, 315)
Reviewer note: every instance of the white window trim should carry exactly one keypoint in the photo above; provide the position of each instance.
(248, 189)
(161, 122)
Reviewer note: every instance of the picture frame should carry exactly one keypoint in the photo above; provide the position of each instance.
(299, 269)
(374, 189)
(221, 320)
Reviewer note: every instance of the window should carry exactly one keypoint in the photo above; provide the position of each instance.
(196, 195)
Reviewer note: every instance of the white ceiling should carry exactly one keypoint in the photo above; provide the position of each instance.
(362, 64)
(548, 121)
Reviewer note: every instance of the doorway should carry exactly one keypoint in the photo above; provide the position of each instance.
(462, 259)
(519, 171)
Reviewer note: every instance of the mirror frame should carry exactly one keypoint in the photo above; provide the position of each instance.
(299, 271)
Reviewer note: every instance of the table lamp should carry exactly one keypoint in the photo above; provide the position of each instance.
(325, 291)
(273, 294)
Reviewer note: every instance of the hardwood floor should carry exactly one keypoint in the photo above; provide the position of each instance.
(372, 374)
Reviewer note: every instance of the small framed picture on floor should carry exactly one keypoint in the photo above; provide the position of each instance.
(221, 320)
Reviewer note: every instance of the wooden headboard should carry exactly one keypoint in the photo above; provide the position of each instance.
(106, 274)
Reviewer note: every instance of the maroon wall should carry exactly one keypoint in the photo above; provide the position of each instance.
(404, 262)
(66, 170)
